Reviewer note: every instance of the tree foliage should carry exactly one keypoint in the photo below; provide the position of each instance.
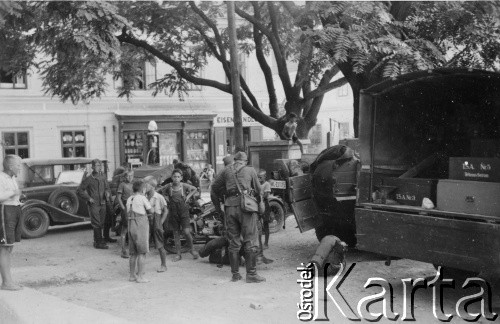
(82, 41)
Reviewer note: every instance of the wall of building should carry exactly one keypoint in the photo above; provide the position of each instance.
(44, 118)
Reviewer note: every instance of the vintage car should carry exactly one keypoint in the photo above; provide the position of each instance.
(49, 193)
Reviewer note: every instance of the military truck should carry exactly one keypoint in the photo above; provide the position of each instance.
(427, 186)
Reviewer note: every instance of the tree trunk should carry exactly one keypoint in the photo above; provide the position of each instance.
(355, 118)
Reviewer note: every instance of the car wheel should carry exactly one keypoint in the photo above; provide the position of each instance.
(64, 199)
(34, 222)
(277, 216)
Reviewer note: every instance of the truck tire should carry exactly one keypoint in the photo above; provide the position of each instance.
(64, 199)
(338, 220)
(277, 216)
(34, 222)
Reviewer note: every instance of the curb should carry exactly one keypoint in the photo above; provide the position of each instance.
(29, 306)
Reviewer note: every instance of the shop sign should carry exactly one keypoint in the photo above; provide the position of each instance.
(227, 121)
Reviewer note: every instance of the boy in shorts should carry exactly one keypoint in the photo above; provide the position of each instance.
(160, 209)
(178, 194)
(123, 192)
(289, 131)
(138, 208)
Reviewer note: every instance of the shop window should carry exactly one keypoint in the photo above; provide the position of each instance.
(10, 80)
(197, 149)
(73, 143)
(133, 147)
(16, 143)
(170, 147)
(343, 91)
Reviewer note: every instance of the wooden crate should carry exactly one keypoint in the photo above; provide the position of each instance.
(470, 197)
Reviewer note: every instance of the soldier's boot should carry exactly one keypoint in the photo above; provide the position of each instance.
(234, 261)
(251, 265)
(98, 242)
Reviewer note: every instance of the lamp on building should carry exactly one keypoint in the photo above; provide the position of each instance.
(153, 143)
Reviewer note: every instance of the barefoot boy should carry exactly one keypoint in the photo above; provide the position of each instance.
(123, 192)
(289, 131)
(138, 208)
(178, 194)
(159, 205)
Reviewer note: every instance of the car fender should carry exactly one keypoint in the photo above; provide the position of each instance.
(56, 215)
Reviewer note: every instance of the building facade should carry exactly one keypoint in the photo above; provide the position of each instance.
(197, 130)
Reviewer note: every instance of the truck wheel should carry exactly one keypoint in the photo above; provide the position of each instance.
(64, 199)
(34, 222)
(277, 217)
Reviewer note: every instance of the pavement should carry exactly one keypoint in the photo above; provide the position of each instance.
(28, 306)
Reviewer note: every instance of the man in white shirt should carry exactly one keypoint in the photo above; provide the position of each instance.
(10, 216)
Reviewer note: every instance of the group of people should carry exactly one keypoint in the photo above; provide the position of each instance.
(146, 213)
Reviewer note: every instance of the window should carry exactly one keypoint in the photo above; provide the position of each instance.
(12, 81)
(343, 90)
(145, 76)
(73, 143)
(344, 130)
(16, 143)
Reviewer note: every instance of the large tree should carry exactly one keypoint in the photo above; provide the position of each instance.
(372, 41)
(367, 41)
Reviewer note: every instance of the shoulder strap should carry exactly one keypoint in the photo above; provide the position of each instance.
(236, 178)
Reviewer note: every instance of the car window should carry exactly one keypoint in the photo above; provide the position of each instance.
(41, 174)
(73, 177)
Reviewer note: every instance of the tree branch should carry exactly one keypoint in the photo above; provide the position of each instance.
(126, 38)
(291, 8)
(214, 28)
(258, 115)
(266, 69)
(304, 65)
(281, 62)
(321, 90)
(226, 66)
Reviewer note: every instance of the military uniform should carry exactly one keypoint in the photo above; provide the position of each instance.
(241, 226)
(95, 186)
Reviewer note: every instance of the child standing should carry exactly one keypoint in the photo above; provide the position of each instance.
(178, 194)
(289, 131)
(264, 217)
(138, 208)
(123, 192)
(160, 209)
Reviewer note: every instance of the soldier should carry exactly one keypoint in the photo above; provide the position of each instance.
(241, 226)
(10, 215)
(95, 190)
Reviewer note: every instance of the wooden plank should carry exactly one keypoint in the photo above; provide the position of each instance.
(450, 242)
(434, 212)
(305, 214)
(300, 194)
(300, 181)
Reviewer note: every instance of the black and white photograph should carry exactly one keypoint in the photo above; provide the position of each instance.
(249, 162)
